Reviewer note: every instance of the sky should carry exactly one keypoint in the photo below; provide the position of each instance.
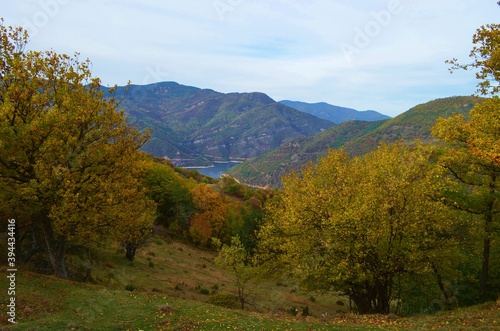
(383, 55)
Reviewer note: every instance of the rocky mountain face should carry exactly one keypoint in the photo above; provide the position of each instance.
(357, 137)
(333, 113)
(194, 127)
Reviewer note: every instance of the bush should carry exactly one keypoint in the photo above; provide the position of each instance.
(204, 291)
(130, 287)
(223, 299)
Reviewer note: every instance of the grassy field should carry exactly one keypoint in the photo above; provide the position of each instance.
(169, 287)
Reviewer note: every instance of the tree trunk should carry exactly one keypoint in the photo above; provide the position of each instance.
(372, 298)
(56, 248)
(441, 286)
(486, 267)
(384, 293)
(241, 297)
(130, 250)
(487, 241)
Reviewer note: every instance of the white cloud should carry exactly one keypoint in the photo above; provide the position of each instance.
(289, 49)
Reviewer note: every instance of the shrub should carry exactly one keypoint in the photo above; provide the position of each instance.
(223, 299)
(130, 287)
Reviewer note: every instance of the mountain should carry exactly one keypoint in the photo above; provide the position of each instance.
(194, 127)
(357, 137)
(267, 169)
(333, 113)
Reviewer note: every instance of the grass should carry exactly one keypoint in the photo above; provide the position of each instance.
(164, 293)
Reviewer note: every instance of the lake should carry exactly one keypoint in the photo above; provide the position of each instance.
(217, 170)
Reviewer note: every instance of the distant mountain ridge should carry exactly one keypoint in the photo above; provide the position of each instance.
(335, 114)
(357, 137)
(194, 127)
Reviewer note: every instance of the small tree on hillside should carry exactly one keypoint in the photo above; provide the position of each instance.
(235, 258)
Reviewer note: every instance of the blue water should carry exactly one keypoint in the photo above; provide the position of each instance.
(217, 170)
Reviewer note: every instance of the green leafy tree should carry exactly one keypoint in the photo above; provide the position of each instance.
(172, 195)
(238, 261)
(357, 225)
(67, 156)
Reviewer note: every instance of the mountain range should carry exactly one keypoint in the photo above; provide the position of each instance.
(357, 137)
(333, 113)
(195, 127)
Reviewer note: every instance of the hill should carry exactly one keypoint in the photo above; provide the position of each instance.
(333, 113)
(357, 137)
(194, 127)
(267, 169)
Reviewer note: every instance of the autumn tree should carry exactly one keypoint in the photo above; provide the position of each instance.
(472, 161)
(486, 59)
(209, 219)
(473, 155)
(356, 225)
(68, 158)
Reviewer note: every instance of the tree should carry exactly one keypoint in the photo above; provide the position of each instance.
(171, 193)
(209, 219)
(486, 58)
(67, 156)
(472, 160)
(238, 261)
(356, 225)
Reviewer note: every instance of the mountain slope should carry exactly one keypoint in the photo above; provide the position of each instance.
(333, 113)
(357, 137)
(193, 126)
(267, 169)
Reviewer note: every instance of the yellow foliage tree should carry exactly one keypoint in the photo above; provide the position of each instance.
(66, 154)
(355, 225)
(472, 161)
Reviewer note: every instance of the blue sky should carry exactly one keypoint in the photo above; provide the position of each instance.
(385, 55)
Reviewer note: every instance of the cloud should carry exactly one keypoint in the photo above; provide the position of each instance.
(289, 49)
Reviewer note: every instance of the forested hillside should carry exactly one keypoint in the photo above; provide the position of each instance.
(356, 137)
(193, 127)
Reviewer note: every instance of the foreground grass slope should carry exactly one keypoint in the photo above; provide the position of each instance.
(169, 287)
